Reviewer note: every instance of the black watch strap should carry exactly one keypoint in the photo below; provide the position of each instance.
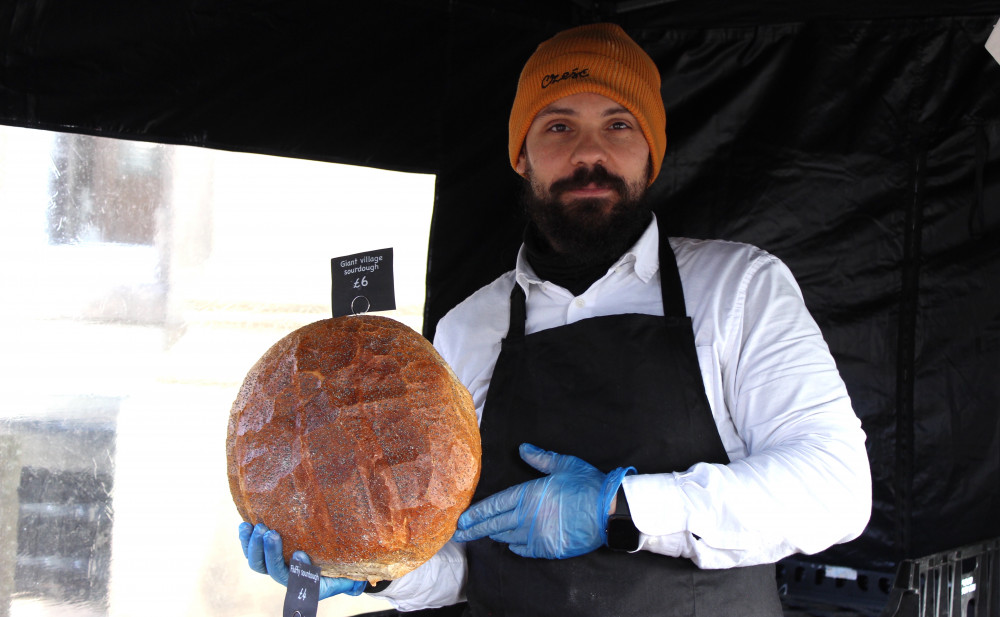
(377, 587)
(623, 535)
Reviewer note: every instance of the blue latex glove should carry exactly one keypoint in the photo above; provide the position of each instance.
(562, 515)
(262, 548)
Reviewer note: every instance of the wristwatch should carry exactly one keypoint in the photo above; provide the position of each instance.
(622, 532)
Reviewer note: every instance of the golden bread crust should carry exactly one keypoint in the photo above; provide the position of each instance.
(355, 441)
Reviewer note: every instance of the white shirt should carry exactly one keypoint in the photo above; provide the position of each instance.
(798, 480)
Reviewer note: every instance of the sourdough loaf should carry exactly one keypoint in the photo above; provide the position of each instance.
(355, 441)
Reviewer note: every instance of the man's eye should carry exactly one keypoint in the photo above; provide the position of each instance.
(558, 128)
(621, 124)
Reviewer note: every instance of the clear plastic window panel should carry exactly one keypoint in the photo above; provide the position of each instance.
(141, 282)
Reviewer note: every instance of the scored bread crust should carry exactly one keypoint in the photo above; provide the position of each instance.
(354, 440)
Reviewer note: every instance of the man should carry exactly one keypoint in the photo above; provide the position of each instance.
(661, 418)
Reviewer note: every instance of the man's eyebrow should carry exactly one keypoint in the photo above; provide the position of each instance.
(569, 111)
(557, 111)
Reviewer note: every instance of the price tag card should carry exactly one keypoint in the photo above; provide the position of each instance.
(363, 283)
(302, 595)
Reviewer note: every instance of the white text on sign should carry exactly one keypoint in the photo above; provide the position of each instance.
(368, 263)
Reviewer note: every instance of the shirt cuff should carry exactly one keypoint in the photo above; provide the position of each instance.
(674, 545)
(657, 504)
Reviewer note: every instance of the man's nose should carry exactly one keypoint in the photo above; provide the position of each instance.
(589, 150)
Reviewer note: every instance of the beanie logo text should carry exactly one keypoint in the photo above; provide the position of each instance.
(548, 80)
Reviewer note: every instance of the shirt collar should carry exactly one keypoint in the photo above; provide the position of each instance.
(643, 256)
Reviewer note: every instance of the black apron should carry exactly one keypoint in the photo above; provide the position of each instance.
(615, 391)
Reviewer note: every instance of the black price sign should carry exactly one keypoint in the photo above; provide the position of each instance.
(302, 595)
(363, 283)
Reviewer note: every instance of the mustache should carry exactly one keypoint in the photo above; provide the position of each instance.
(585, 176)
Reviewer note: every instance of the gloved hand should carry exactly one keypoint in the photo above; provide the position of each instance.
(562, 515)
(262, 548)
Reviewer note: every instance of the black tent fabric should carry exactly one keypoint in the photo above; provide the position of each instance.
(859, 142)
(855, 173)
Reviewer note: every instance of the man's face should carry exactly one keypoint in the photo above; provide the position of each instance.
(587, 164)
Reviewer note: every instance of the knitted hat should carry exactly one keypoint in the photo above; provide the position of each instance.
(598, 58)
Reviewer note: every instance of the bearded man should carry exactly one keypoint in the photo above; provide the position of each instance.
(661, 418)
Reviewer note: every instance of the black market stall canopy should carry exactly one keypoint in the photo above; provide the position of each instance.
(857, 141)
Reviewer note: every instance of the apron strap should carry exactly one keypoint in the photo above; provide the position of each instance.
(670, 281)
(518, 313)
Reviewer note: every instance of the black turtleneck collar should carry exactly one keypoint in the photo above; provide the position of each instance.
(567, 271)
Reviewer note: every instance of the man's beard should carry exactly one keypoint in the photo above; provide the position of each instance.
(588, 230)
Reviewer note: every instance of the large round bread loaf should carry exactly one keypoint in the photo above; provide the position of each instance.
(355, 441)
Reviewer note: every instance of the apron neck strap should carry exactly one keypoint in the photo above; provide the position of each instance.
(670, 281)
(518, 312)
(670, 288)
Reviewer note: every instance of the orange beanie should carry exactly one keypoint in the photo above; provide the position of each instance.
(598, 58)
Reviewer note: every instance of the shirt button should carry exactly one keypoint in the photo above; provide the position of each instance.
(579, 302)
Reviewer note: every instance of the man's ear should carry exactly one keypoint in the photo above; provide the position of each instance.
(522, 163)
